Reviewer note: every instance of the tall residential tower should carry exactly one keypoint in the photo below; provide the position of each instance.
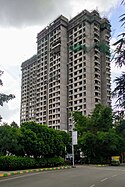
(70, 72)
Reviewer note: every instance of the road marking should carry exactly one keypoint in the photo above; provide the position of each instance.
(92, 185)
(123, 173)
(28, 175)
(113, 175)
(19, 177)
(104, 179)
(108, 168)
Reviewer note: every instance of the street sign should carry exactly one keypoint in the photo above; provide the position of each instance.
(74, 137)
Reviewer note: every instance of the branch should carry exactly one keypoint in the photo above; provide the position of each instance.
(5, 98)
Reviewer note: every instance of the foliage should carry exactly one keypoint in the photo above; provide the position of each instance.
(121, 129)
(119, 91)
(14, 124)
(101, 118)
(8, 163)
(32, 139)
(118, 116)
(120, 44)
(48, 142)
(97, 138)
(81, 122)
(8, 140)
(4, 97)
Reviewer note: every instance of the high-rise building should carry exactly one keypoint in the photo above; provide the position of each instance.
(28, 89)
(71, 72)
(88, 62)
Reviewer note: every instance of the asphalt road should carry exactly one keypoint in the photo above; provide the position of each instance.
(81, 176)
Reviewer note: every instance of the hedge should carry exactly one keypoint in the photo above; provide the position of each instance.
(9, 163)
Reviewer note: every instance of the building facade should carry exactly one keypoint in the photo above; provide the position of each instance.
(72, 70)
(88, 63)
(28, 90)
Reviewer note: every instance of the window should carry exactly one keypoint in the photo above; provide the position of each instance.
(96, 100)
(75, 29)
(75, 96)
(75, 102)
(84, 93)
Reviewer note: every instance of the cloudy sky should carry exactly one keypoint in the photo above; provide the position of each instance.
(21, 20)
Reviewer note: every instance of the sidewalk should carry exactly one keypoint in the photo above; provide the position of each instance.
(10, 173)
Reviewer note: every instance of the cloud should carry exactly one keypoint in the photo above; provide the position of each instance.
(29, 12)
(8, 114)
(16, 46)
(104, 7)
(40, 12)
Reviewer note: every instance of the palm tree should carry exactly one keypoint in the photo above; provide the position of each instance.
(119, 91)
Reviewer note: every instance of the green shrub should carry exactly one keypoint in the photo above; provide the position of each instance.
(50, 162)
(9, 163)
(115, 163)
(15, 163)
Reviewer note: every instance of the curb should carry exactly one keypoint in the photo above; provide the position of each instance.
(33, 170)
(100, 165)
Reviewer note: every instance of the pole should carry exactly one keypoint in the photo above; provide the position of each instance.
(74, 142)
(72, 155)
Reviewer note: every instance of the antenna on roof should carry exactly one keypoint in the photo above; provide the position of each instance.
(70, 17)
(97, 8)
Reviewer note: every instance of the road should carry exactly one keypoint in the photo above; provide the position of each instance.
(81, 176)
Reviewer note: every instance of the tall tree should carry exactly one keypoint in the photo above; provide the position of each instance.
(120, 44)
(97, 138)
(119, 90)
(101, 118)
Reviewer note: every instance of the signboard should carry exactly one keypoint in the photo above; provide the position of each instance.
(115, 158)
(74, 137)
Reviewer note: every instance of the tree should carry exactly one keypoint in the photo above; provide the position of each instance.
(9, 140)
(120, 44)
(48, 143)
(28, 141)
(82, 123)
(66, 139)
(4, 97)
(119, 59)
(97, 138)
(101, 118)
(119, 91)
(14, 124)
(32, 139)
(120, 128)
